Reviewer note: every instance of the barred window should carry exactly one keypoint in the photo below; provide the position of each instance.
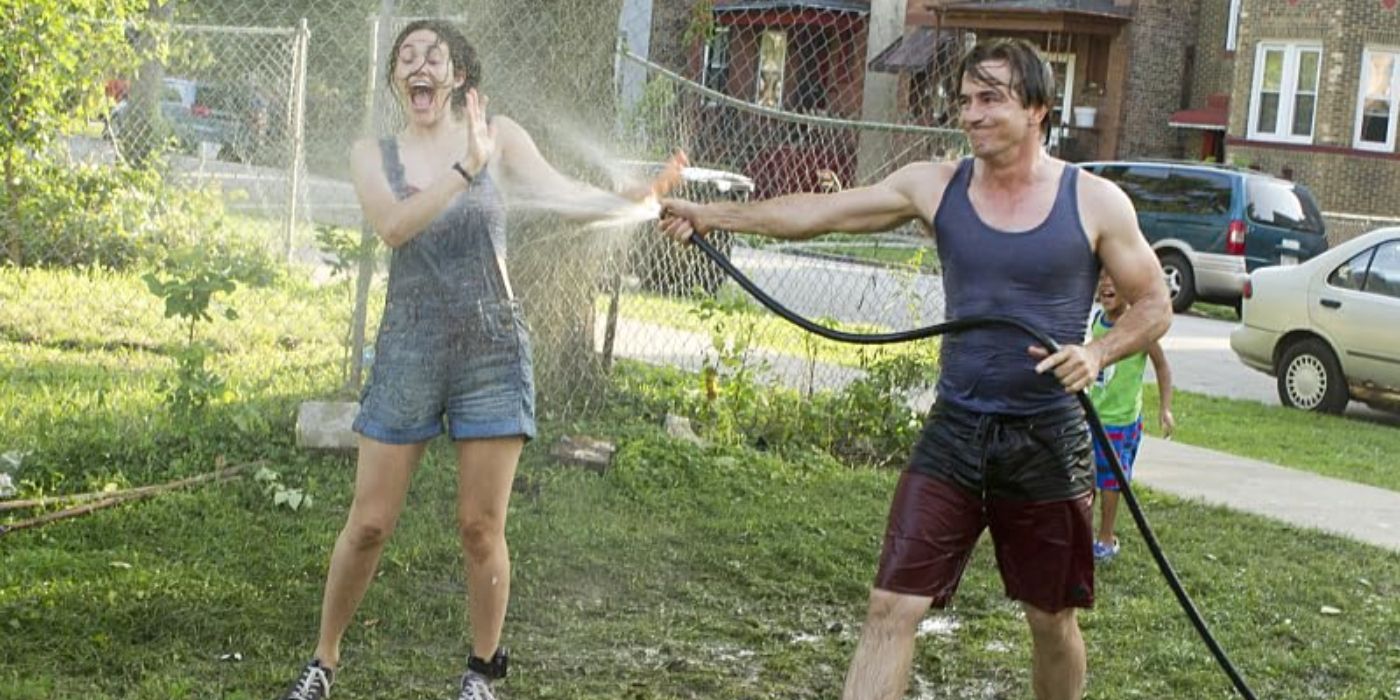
(1376, 105)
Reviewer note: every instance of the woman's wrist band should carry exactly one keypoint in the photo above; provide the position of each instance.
(463, 172)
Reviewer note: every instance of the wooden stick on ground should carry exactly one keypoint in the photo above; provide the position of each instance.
(76, 498)
(98, 501)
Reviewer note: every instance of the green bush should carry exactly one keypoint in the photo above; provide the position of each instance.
(867, 423)
(119, 218)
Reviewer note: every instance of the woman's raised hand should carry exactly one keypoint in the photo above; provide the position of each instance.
(481, 138)
(665, 181)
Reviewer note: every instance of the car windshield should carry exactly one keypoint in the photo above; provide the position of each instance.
(1282, 204)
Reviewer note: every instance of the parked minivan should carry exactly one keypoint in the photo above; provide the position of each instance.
(1212, 225)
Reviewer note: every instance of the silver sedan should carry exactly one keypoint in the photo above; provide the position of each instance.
(1328, 329)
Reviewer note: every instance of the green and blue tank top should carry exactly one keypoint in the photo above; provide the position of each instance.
(1117, 392)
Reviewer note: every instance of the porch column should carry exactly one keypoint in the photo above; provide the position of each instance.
(1116, 87)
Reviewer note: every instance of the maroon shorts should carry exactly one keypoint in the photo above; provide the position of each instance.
(1028, 479)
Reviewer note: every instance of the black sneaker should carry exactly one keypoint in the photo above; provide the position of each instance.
(476, 683)
(314, 683)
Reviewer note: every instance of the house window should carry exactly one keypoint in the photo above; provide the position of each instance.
(772, 61)
(1232, 29)
(716, 70)
(1284, 104)
(1377, 103)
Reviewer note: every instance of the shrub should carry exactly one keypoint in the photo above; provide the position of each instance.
(120, 217)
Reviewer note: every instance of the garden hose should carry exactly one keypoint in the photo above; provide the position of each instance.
(1095, 427)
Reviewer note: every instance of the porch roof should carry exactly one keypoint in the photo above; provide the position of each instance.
(1078, 16)
(913, 52)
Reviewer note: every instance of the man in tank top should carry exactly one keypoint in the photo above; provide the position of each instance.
(1006, 446)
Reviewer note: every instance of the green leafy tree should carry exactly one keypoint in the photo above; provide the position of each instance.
(54, 61)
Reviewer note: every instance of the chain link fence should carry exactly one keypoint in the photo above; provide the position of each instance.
(244, 114)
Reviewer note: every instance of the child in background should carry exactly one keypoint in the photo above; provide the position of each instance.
(1117, 397)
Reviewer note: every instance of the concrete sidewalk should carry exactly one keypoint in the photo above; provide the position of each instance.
(1364, 513)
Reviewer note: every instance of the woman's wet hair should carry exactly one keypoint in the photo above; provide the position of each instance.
(461, 56)
(1032, 81)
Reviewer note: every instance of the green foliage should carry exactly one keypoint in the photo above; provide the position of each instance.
(188, 293)
(54, 61)
(120, 217)
(195, 385)
(867, 423)
(282, 495)
(344, 248)
(189, 284)
(877, 424)
(731, 390)
(701, 27)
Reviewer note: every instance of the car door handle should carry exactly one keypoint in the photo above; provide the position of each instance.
(1331, 303)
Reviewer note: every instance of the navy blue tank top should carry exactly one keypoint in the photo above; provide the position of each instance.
(1044, 276)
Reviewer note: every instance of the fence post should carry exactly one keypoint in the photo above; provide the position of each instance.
(372, 123)
(298, 164)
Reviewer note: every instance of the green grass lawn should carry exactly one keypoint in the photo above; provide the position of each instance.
(902, 257)
(684, 572)
(1219, 312)
(1334, 446)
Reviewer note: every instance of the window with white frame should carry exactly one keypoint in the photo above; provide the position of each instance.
(716, 68)
(1377, 104)
(772, 64)
(1284, 100)
(1232, 29)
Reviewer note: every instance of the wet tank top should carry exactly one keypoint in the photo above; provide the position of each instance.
(459, 259)
(1044, 276)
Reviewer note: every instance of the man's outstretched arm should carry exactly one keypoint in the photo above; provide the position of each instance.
(877, 207)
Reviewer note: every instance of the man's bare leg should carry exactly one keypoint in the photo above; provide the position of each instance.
(1057, 654)
(880, 669)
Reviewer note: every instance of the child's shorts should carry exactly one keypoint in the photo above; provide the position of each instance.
(1125, 439)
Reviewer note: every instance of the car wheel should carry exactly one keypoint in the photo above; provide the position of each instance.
(1310, 378)
(1181, 281)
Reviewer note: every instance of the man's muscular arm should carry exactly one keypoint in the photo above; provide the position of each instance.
(1132, 265)
(900, 197)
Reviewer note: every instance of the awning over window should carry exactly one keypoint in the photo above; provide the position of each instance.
(914, 52)
(862, 8)
(1215, 116)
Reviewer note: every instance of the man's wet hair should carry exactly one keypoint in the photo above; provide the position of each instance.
(460, 53)
(1032, 81)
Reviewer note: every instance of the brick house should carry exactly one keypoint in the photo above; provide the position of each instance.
(1315, 88)
(803, 56)
(1126, 61)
